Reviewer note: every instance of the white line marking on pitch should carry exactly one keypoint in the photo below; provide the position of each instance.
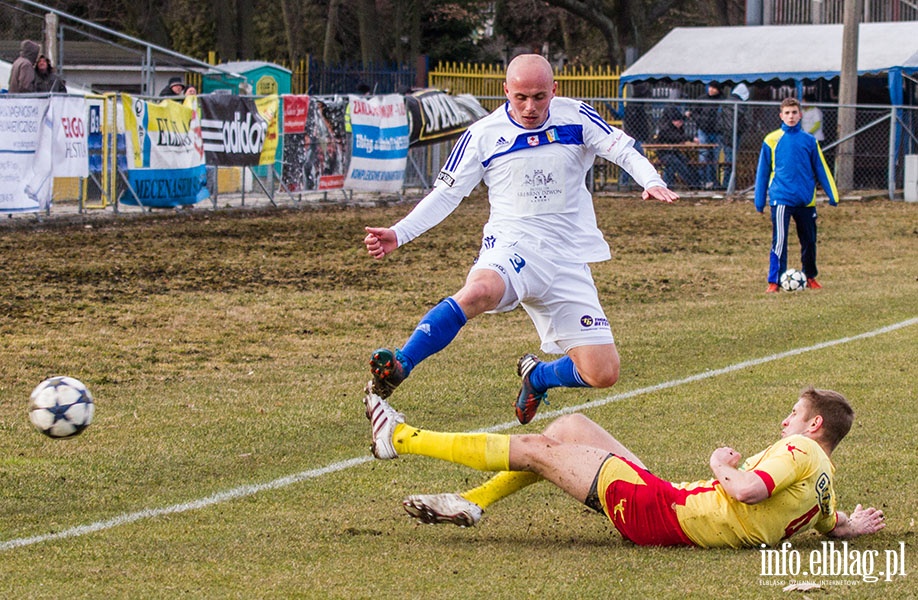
(248, 490)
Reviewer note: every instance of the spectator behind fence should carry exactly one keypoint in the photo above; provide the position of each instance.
(811, 121)
(673, 161)
(22, 72)
(707, 116)
(46, 78)
(739, 94)
(175, 87)
(636, 121)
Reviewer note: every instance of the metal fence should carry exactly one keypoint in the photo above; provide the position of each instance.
(485, 82)
(879, 159)
(879, 149)
(354, 77)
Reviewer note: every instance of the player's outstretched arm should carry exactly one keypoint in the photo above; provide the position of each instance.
(380, 241)
(660, 193)
(861, 521)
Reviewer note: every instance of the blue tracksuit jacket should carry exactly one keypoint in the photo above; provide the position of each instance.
(789, 164)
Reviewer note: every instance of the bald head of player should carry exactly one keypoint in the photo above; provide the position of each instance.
(529, 87)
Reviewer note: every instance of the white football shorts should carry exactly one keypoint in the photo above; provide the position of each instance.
(560, 297)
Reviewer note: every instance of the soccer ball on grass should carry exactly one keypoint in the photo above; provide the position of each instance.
(61, 407)
(793, 280)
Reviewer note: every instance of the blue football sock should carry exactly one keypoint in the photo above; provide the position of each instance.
(557, 373)
(435, 331)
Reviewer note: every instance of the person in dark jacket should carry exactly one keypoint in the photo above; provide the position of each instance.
(674, 161)
(46, 78)
(22, 72)
(636, 122)
(175, 87)
(707, 116)
(738, 95)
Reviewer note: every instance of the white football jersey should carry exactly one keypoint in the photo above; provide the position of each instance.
(536, 180)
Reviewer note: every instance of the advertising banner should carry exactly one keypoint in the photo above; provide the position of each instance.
(435, 116)
(379, 143)
(165, 156)
(315, 148)
(239, 131)
(40, 139)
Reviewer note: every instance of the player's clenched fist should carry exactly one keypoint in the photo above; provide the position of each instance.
(380, 241)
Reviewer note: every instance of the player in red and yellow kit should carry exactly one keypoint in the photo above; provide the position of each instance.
(780, 491)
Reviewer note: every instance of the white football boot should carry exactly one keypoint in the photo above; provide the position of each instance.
(383, 419)
(443, 508)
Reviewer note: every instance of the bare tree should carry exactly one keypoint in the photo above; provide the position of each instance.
(368, 25)
(330, 52)
(245, 29)
(225, 34)
(406, 30)
(641, 23)
(291, 12)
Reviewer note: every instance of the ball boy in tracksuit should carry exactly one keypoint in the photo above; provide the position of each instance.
(790, 163)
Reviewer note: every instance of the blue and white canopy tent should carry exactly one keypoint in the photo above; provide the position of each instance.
(780, 52)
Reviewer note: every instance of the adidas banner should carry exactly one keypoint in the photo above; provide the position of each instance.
(239, 131)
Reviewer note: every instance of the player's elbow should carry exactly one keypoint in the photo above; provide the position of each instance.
(750, 493)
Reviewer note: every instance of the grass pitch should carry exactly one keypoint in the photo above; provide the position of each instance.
(227, 352)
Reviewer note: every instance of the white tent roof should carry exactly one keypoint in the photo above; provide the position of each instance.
(775, 52)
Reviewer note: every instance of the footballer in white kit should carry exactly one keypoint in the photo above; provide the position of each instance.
(538, 242)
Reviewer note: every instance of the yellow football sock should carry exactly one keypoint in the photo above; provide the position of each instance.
(482, 451)
(500, 486)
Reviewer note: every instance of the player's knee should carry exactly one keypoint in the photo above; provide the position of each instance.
(479, 296)
(567, 426)
(527, 451)
(598, 366)
(601, 376)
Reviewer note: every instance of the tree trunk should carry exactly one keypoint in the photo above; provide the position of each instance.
(290, 12)
(224, 14)
(330, 49)
(592, 13)
(245, 13)
(368, 24)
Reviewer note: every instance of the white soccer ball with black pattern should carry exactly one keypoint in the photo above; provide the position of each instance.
(61, 407)
(793, 280)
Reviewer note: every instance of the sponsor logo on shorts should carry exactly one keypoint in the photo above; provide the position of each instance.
(619, 510)
(517, 262)
(588, 321)
(488, 242)
(446, 178)
(499, 267)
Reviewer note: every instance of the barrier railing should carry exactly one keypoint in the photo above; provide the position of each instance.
(884, 137)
